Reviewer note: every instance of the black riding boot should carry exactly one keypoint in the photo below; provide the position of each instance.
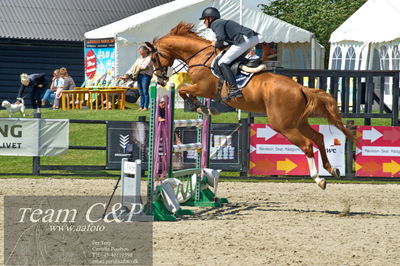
(230, 79)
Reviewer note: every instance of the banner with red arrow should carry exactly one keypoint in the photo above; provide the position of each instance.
(378, 151)
(272, 154)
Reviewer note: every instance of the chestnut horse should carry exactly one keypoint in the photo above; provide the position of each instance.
(286, 102)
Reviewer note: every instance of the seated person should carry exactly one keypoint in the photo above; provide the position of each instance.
(125, 81)
(68, 84)
(49, 95)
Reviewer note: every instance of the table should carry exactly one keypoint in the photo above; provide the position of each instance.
(79, 97)
(104, 96)
(73, 99)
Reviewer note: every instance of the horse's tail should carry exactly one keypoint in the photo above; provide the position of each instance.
(321, 103)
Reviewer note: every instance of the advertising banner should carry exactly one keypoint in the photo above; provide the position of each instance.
(272, 154)
(225, 149)
(19, 137)
(33, 137)
(378, 151)
(121, 135)
(54, 137)
(99, 61)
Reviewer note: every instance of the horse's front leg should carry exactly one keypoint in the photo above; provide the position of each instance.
(188, 95)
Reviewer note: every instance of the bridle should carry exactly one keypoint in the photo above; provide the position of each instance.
(182, 63)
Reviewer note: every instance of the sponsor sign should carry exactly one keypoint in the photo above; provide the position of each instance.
(19, 137)
(378, 151)
(272, 154)
(126, 139)
(99, 61)
(225, 149)
(33, 137)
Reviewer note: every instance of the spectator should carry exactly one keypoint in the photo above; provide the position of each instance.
(143, 69)
(38, 82)
(67, 84)
(161, 110)
(49, 95)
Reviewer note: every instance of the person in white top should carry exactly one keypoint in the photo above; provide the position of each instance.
(49, 95)
(143, 70)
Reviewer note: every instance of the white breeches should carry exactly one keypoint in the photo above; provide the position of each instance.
(237, 50)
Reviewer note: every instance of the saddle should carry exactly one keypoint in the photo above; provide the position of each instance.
(241, 64)
(242, 68)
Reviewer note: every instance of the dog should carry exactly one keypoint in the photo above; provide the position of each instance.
(15, 107)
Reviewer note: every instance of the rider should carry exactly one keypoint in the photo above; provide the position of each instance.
(239, 37)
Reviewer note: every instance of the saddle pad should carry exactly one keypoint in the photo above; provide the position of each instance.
(241, 78)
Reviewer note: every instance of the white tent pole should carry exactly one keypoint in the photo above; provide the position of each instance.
(241, 22)
(313, 52)
(116, 61)
(241, 12)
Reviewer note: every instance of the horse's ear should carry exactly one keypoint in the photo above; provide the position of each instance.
(150, 45)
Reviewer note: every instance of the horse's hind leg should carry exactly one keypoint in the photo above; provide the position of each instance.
(318, 139)
(295, 136)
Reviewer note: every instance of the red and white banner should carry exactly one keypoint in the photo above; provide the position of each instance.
(378, 151)
(272, 154)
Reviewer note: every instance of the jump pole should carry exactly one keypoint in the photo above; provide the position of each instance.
(203, 196)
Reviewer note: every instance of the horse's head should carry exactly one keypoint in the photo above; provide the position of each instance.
(161, 61)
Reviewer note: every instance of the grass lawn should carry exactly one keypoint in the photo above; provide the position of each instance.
(93, 134)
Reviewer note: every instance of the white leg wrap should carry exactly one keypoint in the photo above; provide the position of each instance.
(313, 168)
(318, 179)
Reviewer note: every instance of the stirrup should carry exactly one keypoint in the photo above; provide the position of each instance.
(233, 94)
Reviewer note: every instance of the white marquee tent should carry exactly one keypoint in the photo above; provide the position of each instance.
(369, 39)
(297, 48)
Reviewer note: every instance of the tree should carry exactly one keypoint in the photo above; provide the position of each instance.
(321, 17)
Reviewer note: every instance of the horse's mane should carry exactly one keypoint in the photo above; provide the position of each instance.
(185, 29)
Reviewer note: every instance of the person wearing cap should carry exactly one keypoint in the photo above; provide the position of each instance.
(241, 39)
(161, 110)
(37, 82)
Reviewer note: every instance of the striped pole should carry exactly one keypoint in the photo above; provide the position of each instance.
(188, 123)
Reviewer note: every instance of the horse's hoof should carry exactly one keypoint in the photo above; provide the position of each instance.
(335, 172)
(321, 183)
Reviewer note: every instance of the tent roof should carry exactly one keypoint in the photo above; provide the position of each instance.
(375, 21)
(159, 20)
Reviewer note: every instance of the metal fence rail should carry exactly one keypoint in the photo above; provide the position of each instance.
(37, 167)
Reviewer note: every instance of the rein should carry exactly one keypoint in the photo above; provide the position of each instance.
(182, 63)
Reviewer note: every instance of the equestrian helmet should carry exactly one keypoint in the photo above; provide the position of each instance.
(210, 12)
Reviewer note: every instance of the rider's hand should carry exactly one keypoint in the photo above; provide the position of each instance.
(213, 43)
